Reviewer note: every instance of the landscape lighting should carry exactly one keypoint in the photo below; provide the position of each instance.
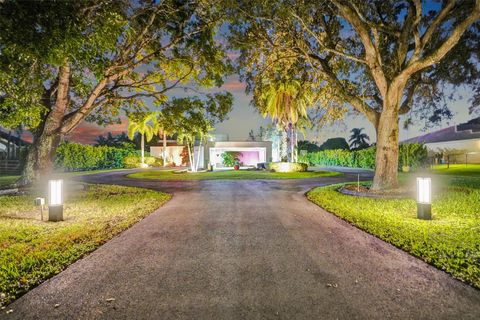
(55, 200)
(424, 198)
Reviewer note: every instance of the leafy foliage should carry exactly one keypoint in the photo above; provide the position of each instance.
(192, 119)
(288, 166)
(308, 146)
(80, 157)
(358, 139)
(335, 143)
(416, 154)
(120, 140)
(136, 161)
(380, 58)
(119, 52)
(230, 158)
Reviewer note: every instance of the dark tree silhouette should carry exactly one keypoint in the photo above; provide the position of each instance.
(358, 139)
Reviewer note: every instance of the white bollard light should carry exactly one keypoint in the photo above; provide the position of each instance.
(424, 198)
(55, 200)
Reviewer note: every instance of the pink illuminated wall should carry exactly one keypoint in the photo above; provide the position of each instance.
(249, 158)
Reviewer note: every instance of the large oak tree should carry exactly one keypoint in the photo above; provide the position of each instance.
(381, 58)
(63, 62)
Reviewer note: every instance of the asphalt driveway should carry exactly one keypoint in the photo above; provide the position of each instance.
(246, 249)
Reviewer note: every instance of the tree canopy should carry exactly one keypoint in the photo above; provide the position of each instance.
(379, 58)
(65, 62)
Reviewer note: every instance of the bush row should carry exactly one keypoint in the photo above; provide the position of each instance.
(287, 166)
(80, 157)
(413, 155)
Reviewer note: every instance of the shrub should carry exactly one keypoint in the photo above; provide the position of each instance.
(135, 161)
(229, 158)
(288, 166)
(79, 157)
(412, 154)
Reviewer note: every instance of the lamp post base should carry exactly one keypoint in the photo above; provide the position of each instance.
(424, 211)
(55, 213)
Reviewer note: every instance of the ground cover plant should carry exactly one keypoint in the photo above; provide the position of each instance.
(451, 241)
(32, 250)
(457, 169)
(6, 181)
(228, 175)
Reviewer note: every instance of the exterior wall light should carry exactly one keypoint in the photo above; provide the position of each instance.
(424, 198)
(55, 200)
(40, 202)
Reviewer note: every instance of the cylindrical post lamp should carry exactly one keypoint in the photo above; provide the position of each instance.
(424, 198)
(55, 200)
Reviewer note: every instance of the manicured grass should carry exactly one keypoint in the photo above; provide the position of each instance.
(457, 169)
(451, 241)
(32, 250)
(6, 181)
(228, 175)
(84, 173)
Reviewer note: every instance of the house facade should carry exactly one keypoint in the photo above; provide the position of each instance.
(455, 144)
(250, 153)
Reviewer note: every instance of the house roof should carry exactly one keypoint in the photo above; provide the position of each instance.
(462, 131)
(5, 136)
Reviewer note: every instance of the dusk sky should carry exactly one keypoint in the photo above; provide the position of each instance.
(244, 117)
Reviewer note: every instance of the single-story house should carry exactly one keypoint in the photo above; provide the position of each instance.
(455, 144)
(12, 149)
(250, 153)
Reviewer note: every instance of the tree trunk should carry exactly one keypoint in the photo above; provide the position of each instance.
(40, 157)
(164, 149)
(386, 160)
(47, 137)
(289, 143)
(142, 151)
(191, 157)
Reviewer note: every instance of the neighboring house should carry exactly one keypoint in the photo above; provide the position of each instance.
(250, 152)
(12, 151)
(456, 144)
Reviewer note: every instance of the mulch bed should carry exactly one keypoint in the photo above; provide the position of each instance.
(364, 191)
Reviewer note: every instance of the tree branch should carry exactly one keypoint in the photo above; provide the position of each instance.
(446, 46)
(372, 53)
(321, 43)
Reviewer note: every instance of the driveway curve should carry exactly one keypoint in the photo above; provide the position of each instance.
(245, 249)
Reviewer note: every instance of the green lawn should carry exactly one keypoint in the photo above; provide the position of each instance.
(32, 251)
(457, 169)
(451, 241)
(6, 181)
(228, 175)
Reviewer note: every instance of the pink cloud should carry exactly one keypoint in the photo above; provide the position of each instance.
(234, 85)
(87, 132)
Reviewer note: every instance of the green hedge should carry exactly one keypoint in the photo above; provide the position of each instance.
(135, 161)
(287, 166)
(413, 154)
(79, 157)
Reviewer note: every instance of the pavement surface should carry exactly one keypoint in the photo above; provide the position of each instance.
(245, 249)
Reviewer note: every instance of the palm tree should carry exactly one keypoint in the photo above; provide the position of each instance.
(358, 140)
(286, 102)
(162, 132)
(144, 124)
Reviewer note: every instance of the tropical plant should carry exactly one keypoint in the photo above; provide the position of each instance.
(287, 103)
(230, 158)
(338, 143)
(192, 119)
(63, 62)
(358, 139)
(146, 125)
(381, 58)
